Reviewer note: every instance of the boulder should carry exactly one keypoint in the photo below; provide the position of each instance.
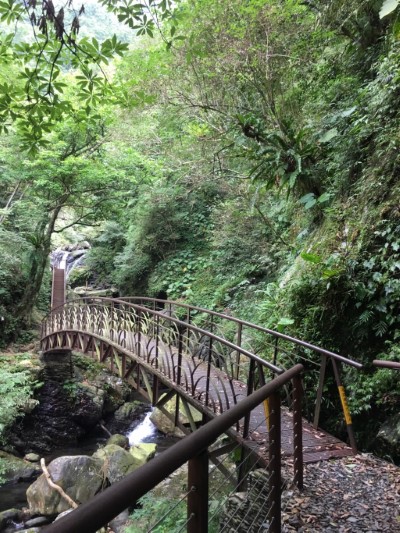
(32, 457)
(117, 462)
(7, 518)
(38, 521)
(125, 415)
(119, 440)
(165, 423)
(142, 453)
(128, 411)
(18, 469)
(95, 293)
(388, 437)
(64, 513)
(80, 476)
(120, 522)
(88, 405)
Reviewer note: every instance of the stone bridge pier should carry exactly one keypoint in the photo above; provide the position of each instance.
(57, 364)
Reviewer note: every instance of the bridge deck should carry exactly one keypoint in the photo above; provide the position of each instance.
(223, 392)
(317, 444)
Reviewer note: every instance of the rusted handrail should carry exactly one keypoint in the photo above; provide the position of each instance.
(394, 365)
(250, 325)
(101, 509)
(182, 324)
(235, 347)
(256, 327)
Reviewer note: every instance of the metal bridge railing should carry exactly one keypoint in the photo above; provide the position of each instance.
(278, 348)
(260, 477)
(243, 351)
(393, 365)
(199, 362)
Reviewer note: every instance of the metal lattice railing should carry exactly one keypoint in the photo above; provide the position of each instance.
(248, 477)
(185, 342)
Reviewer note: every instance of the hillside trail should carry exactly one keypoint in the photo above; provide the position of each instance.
(359, 494)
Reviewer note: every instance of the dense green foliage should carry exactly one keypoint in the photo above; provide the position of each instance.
(17, 385)
(250, 165)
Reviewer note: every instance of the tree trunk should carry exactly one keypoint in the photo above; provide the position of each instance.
(40, 257)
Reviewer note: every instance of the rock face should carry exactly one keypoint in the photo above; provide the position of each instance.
(69, 409)
(81, 477)
(388, 438)
(54, 412)
(57, 365)
(88, 405)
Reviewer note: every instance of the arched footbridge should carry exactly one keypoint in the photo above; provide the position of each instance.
(223, 367)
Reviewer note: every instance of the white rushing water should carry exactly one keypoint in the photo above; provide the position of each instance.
(143, 431)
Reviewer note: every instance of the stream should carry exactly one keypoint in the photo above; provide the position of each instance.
(13, 495)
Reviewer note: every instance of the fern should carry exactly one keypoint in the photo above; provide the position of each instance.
(381, 328)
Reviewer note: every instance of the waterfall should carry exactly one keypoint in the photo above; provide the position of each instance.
(69, 259)
(144, 431)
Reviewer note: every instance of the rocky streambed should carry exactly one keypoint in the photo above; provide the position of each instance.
(79, 405)
(79, 477)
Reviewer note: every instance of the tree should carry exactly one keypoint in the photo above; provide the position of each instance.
(44, 43)
(74, 178)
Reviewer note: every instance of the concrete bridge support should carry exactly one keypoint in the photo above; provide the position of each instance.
(57, 364)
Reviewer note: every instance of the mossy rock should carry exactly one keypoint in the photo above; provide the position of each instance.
(165, 423)
(117, 462)
(142, 453)
(118, 440)
(17, 469)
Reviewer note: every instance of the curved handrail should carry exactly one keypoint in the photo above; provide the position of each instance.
(273, 333)
(102, 508)
(393, 365)
(176, 321)
(256, 327)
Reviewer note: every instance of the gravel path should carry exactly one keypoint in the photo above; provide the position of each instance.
(358, 494)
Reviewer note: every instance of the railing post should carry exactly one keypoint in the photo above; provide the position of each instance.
(345, 407)
(178, 375)
(276, 349)
(139, 334)
(157, 339)
(155, 394)
(274, 467)
(250, 387)
(320, 391)
(239, 343)
(208, 371)
(297, 432)
(197, 503)
(244, 469)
